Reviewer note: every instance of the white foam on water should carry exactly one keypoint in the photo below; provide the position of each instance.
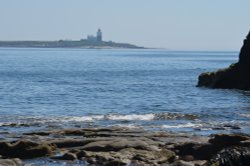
(245, 115)
(187, 125)
(90, 118)
(84, 118)
(145, 117)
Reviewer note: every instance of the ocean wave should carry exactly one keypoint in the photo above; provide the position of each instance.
(84, 118)
(145, 117)
(135, 117)
(158, 121)
(187, 125)
(245, 115)
(20, 121)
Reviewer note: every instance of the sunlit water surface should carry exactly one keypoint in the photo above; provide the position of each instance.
(44, 89)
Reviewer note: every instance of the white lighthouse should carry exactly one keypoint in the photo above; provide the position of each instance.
(99, 35)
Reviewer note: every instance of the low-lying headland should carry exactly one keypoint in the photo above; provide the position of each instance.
(67, 44)
(91, 42)
(122, 146)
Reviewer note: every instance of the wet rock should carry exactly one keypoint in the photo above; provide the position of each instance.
(118, 144)
(197, 151)
(235, 127)
(218, 128)
(188, 158)
(38, 133)
(224, 140)
(66, 156)
(115, 162)
(182, 163)
(24, 149)
(81, 154)
(232, 127)
(159, 157)
(64, 143)
(91, 160)
(232, 156)
(237, 76)
(206, 151)
(11, 162)
(74, 132)
(188, 163)
(104, 158)
(123, 147)
(245, 143)
(131, 155)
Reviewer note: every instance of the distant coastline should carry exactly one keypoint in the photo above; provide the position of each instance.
(68, 44)
(91, 42)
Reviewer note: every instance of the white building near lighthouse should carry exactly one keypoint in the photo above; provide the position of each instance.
(97, 38)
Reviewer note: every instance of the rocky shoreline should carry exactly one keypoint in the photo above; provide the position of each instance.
(234, 77)
(122, 146)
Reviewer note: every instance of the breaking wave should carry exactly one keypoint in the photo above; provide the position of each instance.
(187, 125)
(133, 117)
(245, 115)
(29, 121)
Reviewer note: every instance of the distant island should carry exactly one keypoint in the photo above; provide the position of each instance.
(92, 42)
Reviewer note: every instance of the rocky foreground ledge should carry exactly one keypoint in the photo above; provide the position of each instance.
(120, 146)
(237, 76)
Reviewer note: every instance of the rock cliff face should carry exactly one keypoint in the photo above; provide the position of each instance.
(237, 76)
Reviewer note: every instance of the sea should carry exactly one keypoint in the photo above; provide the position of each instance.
(149, 89)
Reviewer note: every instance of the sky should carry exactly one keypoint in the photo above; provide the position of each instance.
(211, 25)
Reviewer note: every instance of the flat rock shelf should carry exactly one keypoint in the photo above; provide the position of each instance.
(122, 146)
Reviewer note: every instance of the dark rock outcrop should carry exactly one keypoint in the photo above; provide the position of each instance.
(237, 76)
(235, 156)
(221, 150)
(66, 156)
(24, 149)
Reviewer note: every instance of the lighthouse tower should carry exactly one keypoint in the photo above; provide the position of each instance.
(99, 35)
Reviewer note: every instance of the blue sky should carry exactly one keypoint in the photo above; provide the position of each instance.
(172, 24)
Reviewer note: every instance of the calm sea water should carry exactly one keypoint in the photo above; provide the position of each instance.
(150, 89)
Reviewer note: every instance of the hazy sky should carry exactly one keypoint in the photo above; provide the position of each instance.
(172, 24)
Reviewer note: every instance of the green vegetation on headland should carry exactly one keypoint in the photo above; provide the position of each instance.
(68, 44)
